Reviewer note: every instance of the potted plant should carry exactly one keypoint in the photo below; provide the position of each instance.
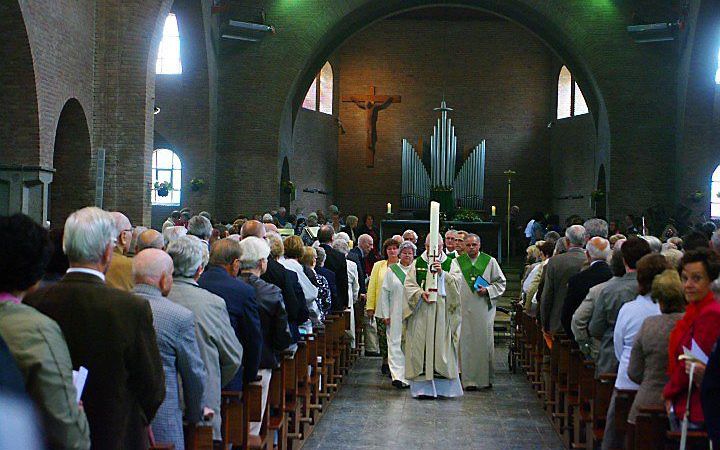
(163, 189)
(196, 184)
(288, 187)
(696, 196)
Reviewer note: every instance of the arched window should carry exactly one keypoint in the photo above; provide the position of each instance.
(571, 101)
(168, 61)
(714, 192)
(319, 96)
(166, 168)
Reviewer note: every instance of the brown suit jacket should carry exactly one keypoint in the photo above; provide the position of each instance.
(557, 273)
(119, 274)
(110, 332)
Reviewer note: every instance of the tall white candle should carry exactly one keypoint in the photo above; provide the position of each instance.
(389, 208)
(433, 251)
(493, 210)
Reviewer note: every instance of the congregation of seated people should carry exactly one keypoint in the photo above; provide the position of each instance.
(159, 322)
(643, 312)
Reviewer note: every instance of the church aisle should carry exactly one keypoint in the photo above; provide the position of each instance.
(368, 413)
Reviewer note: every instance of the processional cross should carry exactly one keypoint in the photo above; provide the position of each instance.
(372, 104)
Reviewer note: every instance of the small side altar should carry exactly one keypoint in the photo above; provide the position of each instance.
(490, 232)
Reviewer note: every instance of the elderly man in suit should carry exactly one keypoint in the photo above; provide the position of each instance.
(119, 274)
(359, 255)
(608, 303)
(254, 254)
(598, 252)
(278, 275)
(557, 273)
(175, 331)
(219, 347)
(220, 278)
(335, 262)
(108, 331)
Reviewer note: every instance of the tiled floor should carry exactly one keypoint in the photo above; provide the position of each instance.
(368, 413)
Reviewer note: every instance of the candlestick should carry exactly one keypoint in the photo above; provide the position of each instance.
(389, 208)
(433, 251)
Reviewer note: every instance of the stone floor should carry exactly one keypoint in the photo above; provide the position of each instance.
(368, 413)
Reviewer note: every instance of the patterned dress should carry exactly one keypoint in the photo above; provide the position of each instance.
(324, 298)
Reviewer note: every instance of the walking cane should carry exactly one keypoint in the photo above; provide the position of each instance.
(686, 416)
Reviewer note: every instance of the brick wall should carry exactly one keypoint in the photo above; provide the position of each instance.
(184, 120)
(496, 76)
(314, 159)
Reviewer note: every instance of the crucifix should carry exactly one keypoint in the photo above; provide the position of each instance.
(372, 104)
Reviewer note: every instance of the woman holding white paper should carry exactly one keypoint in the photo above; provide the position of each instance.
(700, 326)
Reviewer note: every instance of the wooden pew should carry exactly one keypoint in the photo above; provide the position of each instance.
(277, 415)
(582, 414)
(238, 410)
(650, 427)
(298, 403)
(604, 387)
(198, 437)
(623, 402)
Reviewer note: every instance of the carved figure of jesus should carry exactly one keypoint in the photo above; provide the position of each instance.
(372, 104)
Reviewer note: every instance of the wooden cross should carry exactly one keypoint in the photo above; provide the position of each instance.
(372, 104)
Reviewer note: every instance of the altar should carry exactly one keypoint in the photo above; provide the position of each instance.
(490, 233)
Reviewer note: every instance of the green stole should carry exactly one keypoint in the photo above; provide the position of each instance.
(471, 271)
(398, 272)
(421, 268)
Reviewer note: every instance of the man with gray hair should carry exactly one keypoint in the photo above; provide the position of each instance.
(654, 243)
(480, 282)
(175, 332)
(115, 340)
(556, 275)
(201, 227)
(119, 275)
(595, 227)
(219, 347)
(172, 233)
(359, 255)
(598, 253)
(149, 239)
(254, 256)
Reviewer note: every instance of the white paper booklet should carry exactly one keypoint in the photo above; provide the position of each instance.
(696, 352)
(79, 378)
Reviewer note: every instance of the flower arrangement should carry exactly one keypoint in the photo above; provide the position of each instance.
(597, 195)
(467, 215)
(163, 189)
(196, 184)
(288, 187)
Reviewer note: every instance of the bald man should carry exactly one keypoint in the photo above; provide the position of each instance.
(597, 252)
(253, 228)
(149, 239)
(119, 274)
(175, 332)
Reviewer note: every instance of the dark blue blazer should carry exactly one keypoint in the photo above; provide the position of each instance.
(244, 317)
(710, 395)
(578, 287)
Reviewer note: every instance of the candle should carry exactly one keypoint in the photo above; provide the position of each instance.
(389, 209)
(493, 210)
(433, 253)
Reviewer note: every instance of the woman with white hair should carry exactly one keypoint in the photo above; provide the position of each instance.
(294, 250)
(390, 309)
(254, 253)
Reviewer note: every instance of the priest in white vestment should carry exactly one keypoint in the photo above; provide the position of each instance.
(430, 338)
(390, 309)
(478, 300)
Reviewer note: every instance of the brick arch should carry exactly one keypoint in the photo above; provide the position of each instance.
(19, 119)
(72, 187)
(522, 12)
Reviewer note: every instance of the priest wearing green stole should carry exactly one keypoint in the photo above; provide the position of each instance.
(430, 337)
(390, 309)
(478, 298)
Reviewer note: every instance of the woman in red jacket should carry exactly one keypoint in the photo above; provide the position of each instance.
(700, 323)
